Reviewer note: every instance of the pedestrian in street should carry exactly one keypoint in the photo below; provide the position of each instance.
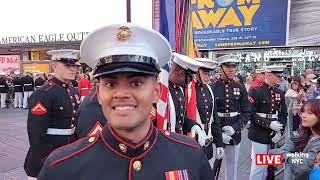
(89, 117)
(182, 71)
(128, 60)
(84, 86)
(316, 92)
(309, 85)
(28, 87)
(268, 117)
(233, 111)
(4, 89)
(295, 96)
(52, 109)
(259, 79)
(207, 115)
(18, 91)
(307, 142)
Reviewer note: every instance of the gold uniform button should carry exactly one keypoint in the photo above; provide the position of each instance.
(137, 166)
(71, 97)
(61, 108)
(72, 125)
(227, 95)
(123, 148)
(167, 133)
(227, 90)
(91, 139)
(227, 100)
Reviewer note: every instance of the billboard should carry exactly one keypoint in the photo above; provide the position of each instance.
(220, 24)
(9, 63)
(304, 26)
(223, 24)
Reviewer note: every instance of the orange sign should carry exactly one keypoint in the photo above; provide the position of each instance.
(36, 68)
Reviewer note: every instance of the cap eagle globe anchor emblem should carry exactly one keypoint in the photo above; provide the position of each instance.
(124, 33)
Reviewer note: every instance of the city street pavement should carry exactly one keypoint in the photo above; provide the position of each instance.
(14, 143)
(14, 146)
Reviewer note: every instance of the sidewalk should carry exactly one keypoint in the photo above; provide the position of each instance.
(13, 143)
(14, 146)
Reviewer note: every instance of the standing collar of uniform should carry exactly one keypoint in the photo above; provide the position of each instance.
(172, 85)
(125, 149)
(268, 86)
(59, 83)
(225, 81)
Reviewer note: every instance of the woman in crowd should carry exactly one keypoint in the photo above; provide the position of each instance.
(295, 96)
(307, 141)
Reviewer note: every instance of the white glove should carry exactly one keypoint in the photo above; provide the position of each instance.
(219, 153)
(226, 139)
(196, 130)
(228, 130)
(276, 126)
(276, 138)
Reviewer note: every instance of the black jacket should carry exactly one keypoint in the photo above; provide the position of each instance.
(89, 116)
(232, 97)
(28, 83)
(268, 100)
(52, 106)
(4, 88)
(100, 157)
(17, 84)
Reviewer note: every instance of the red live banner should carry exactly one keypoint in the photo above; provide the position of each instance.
(268, 159)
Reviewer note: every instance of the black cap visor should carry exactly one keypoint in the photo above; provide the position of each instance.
(68, 61)
(126, 67)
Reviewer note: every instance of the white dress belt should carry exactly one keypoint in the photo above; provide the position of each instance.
(27, 84)
(271, 116)
(231, 114)
(2, 86)
(63, 132)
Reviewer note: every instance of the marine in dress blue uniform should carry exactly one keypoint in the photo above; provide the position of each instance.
(129, 56)
(233, 111)
(181, 73)
(4, 89)
(90, 118)
(207, 115)
(269, 116)
(51, 117)
(18, 91)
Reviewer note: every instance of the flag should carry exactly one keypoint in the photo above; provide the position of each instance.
(162, 105)
(164, 28)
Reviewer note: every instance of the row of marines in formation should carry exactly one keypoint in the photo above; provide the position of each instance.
(19, 87)
(112, 142)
